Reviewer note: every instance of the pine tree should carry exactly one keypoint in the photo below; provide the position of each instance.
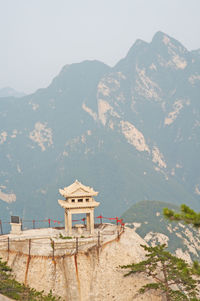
(172, 276)
(186, 214)
(189, 216)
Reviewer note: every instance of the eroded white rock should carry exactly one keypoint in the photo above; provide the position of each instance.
(42, 135)
(134, 136)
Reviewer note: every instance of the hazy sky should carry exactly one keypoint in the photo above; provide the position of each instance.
(38, 37)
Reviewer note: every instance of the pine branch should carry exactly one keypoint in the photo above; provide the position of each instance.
(168, 271)
(186, 214)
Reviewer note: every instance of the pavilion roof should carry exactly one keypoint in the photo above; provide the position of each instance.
(77, 189)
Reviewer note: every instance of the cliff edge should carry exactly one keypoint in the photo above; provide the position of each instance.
(91, 274)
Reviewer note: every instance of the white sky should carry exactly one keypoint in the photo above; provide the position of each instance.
(38, 37)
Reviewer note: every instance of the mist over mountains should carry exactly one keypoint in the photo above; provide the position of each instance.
(9, 92)
(131, 131)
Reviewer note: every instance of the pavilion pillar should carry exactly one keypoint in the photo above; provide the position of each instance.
(88, 221)
(68, 221)
(92, 221)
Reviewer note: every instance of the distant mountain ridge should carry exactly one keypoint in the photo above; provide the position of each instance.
(148, 220)
(10, 92)
(131, 131)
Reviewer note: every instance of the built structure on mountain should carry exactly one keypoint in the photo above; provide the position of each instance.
(78, 200)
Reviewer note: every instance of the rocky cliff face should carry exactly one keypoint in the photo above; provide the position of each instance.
(147, 218)
(90, 275)
(131, 131)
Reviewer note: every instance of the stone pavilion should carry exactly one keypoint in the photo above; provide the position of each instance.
(78, 199)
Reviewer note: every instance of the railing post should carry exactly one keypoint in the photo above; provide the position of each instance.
(76, 244)
(29, 248)
(8, 245)
(21, 224)
(53, 247)
(1, 228)
(99, 242)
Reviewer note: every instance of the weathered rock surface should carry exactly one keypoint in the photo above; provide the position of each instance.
(91, 275)
(146, 217)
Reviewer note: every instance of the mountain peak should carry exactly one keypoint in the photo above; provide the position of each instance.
(139, 44)
(162, 39)
(70, 72)
(137, 48)
(159, 35)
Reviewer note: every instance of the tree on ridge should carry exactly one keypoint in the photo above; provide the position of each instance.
(172, 276)
(186, 214)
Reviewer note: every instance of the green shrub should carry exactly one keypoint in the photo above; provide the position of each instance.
(64, 237)
(17, 291)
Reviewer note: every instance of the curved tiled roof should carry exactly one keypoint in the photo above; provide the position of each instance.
(77, 189)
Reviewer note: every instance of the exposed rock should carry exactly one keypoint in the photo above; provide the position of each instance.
(134, 136)
(41, 135)
(181, 239)
(7, 197)
(91, 275)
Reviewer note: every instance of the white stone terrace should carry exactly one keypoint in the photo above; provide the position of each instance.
(41, 242)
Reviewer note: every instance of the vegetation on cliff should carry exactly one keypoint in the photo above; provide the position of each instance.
(149, 222)
(186, 214)
(172, 276)
(17, 291)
